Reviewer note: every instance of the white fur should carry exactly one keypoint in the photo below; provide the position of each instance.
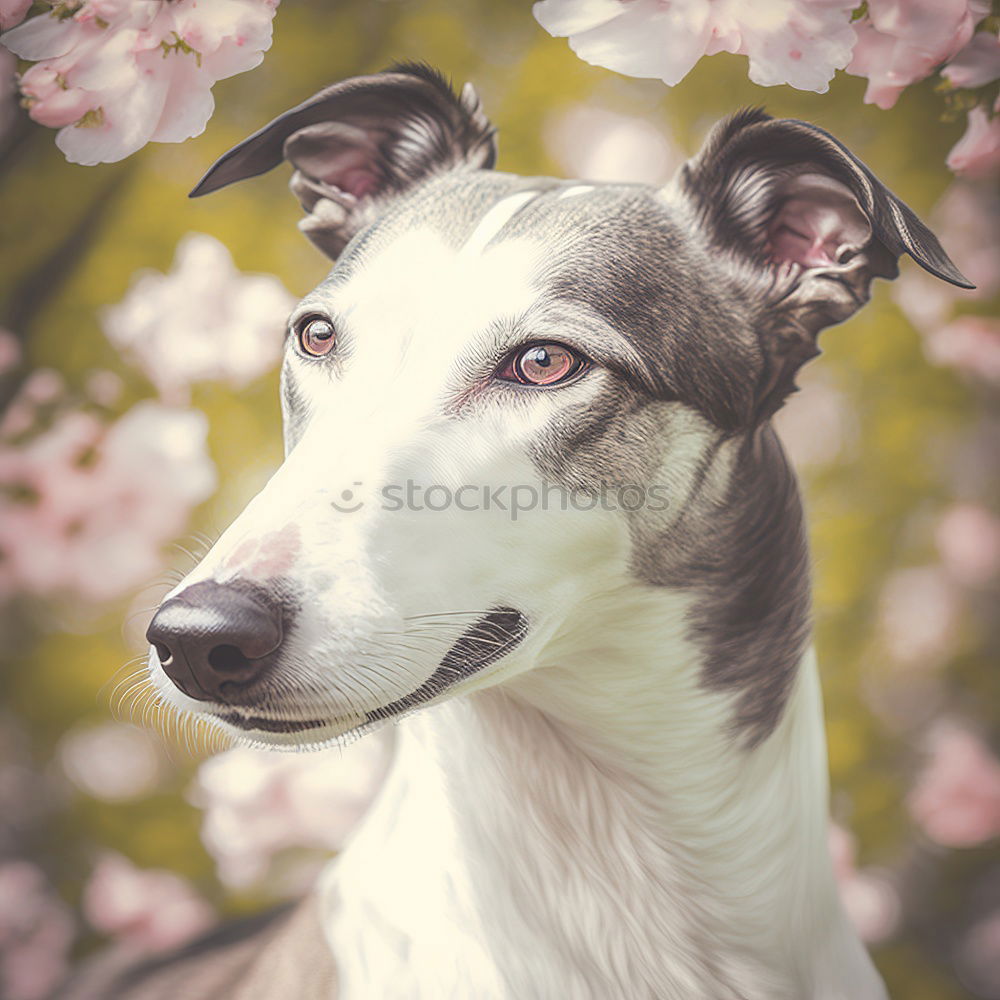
(582, 833)
(494, 220)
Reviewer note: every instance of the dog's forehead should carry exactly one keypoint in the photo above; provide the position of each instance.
(580, 224)
(472, 250)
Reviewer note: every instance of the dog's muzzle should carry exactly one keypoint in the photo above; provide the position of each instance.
(214, 640)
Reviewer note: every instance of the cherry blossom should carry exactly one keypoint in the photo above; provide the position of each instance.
(203, 320)
(977, 64)
(977, 153)
(970, 344)
(114, 75)
(868, 895)
(919, 615)
(36, 931)
(258, 803)
(968, 539)
(150, 910)
(87, 506)
(956, 799)
(903, 41)
(111, 762)
(799, 42)
(600, 145)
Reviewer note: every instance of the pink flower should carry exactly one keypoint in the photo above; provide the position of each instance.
(977, 64)
(956, 799)
(970, 344)
(599, 145)
(36, 931)
(799, 42)
(205, 320)
(977, 153)
(12, 12)
(869, 897)
(259, 803)
(88, 506)
(151, 910)
(116, 75)
(111, 762)
(903, 41)
(919, 616)
(968, 539)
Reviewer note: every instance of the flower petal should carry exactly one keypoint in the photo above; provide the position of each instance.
(977, 153)
(43, 37)
(977, 64)
(570, 17)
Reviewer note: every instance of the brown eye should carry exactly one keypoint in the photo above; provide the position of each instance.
(542, 364)
(316, 336)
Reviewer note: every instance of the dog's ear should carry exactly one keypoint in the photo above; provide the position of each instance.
(359, 143)
(804, 227)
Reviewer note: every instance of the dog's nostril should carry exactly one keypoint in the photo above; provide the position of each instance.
(228, 659)
(163, 653)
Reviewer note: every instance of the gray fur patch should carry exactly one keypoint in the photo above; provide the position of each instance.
(748, 558)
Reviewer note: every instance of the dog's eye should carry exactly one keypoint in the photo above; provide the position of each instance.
(316, 336)
(542, 364)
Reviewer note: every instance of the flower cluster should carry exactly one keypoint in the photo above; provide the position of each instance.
(113, 75)
(205, 320)
(86, 505)
(893, 43)
(258, 804)
(147, 910)
(36, 931)
(956, 799)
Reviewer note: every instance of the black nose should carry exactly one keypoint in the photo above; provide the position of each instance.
(214, 639)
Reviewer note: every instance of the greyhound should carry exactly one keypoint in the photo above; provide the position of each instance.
(610, 778)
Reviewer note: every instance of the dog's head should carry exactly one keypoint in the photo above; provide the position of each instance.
(511, 397)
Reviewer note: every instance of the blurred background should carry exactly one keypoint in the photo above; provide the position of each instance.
(140, 336)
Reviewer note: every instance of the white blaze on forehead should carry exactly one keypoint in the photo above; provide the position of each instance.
(576, 189)
(494, 220)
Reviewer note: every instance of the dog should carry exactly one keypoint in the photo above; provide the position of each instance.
(610, 778)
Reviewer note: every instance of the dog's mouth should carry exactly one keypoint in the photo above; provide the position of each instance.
(261, 724)
(491, 638)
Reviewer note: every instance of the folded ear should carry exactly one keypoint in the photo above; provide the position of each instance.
(361, 142)
(805, 227)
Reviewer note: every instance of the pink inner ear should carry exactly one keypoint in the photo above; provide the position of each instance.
(350, 170)
(358, 182)
(816, 222)
(341, 155)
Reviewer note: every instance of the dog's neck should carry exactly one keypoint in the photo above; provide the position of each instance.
(583, 832)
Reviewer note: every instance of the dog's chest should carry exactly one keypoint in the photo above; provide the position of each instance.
(515, 895)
